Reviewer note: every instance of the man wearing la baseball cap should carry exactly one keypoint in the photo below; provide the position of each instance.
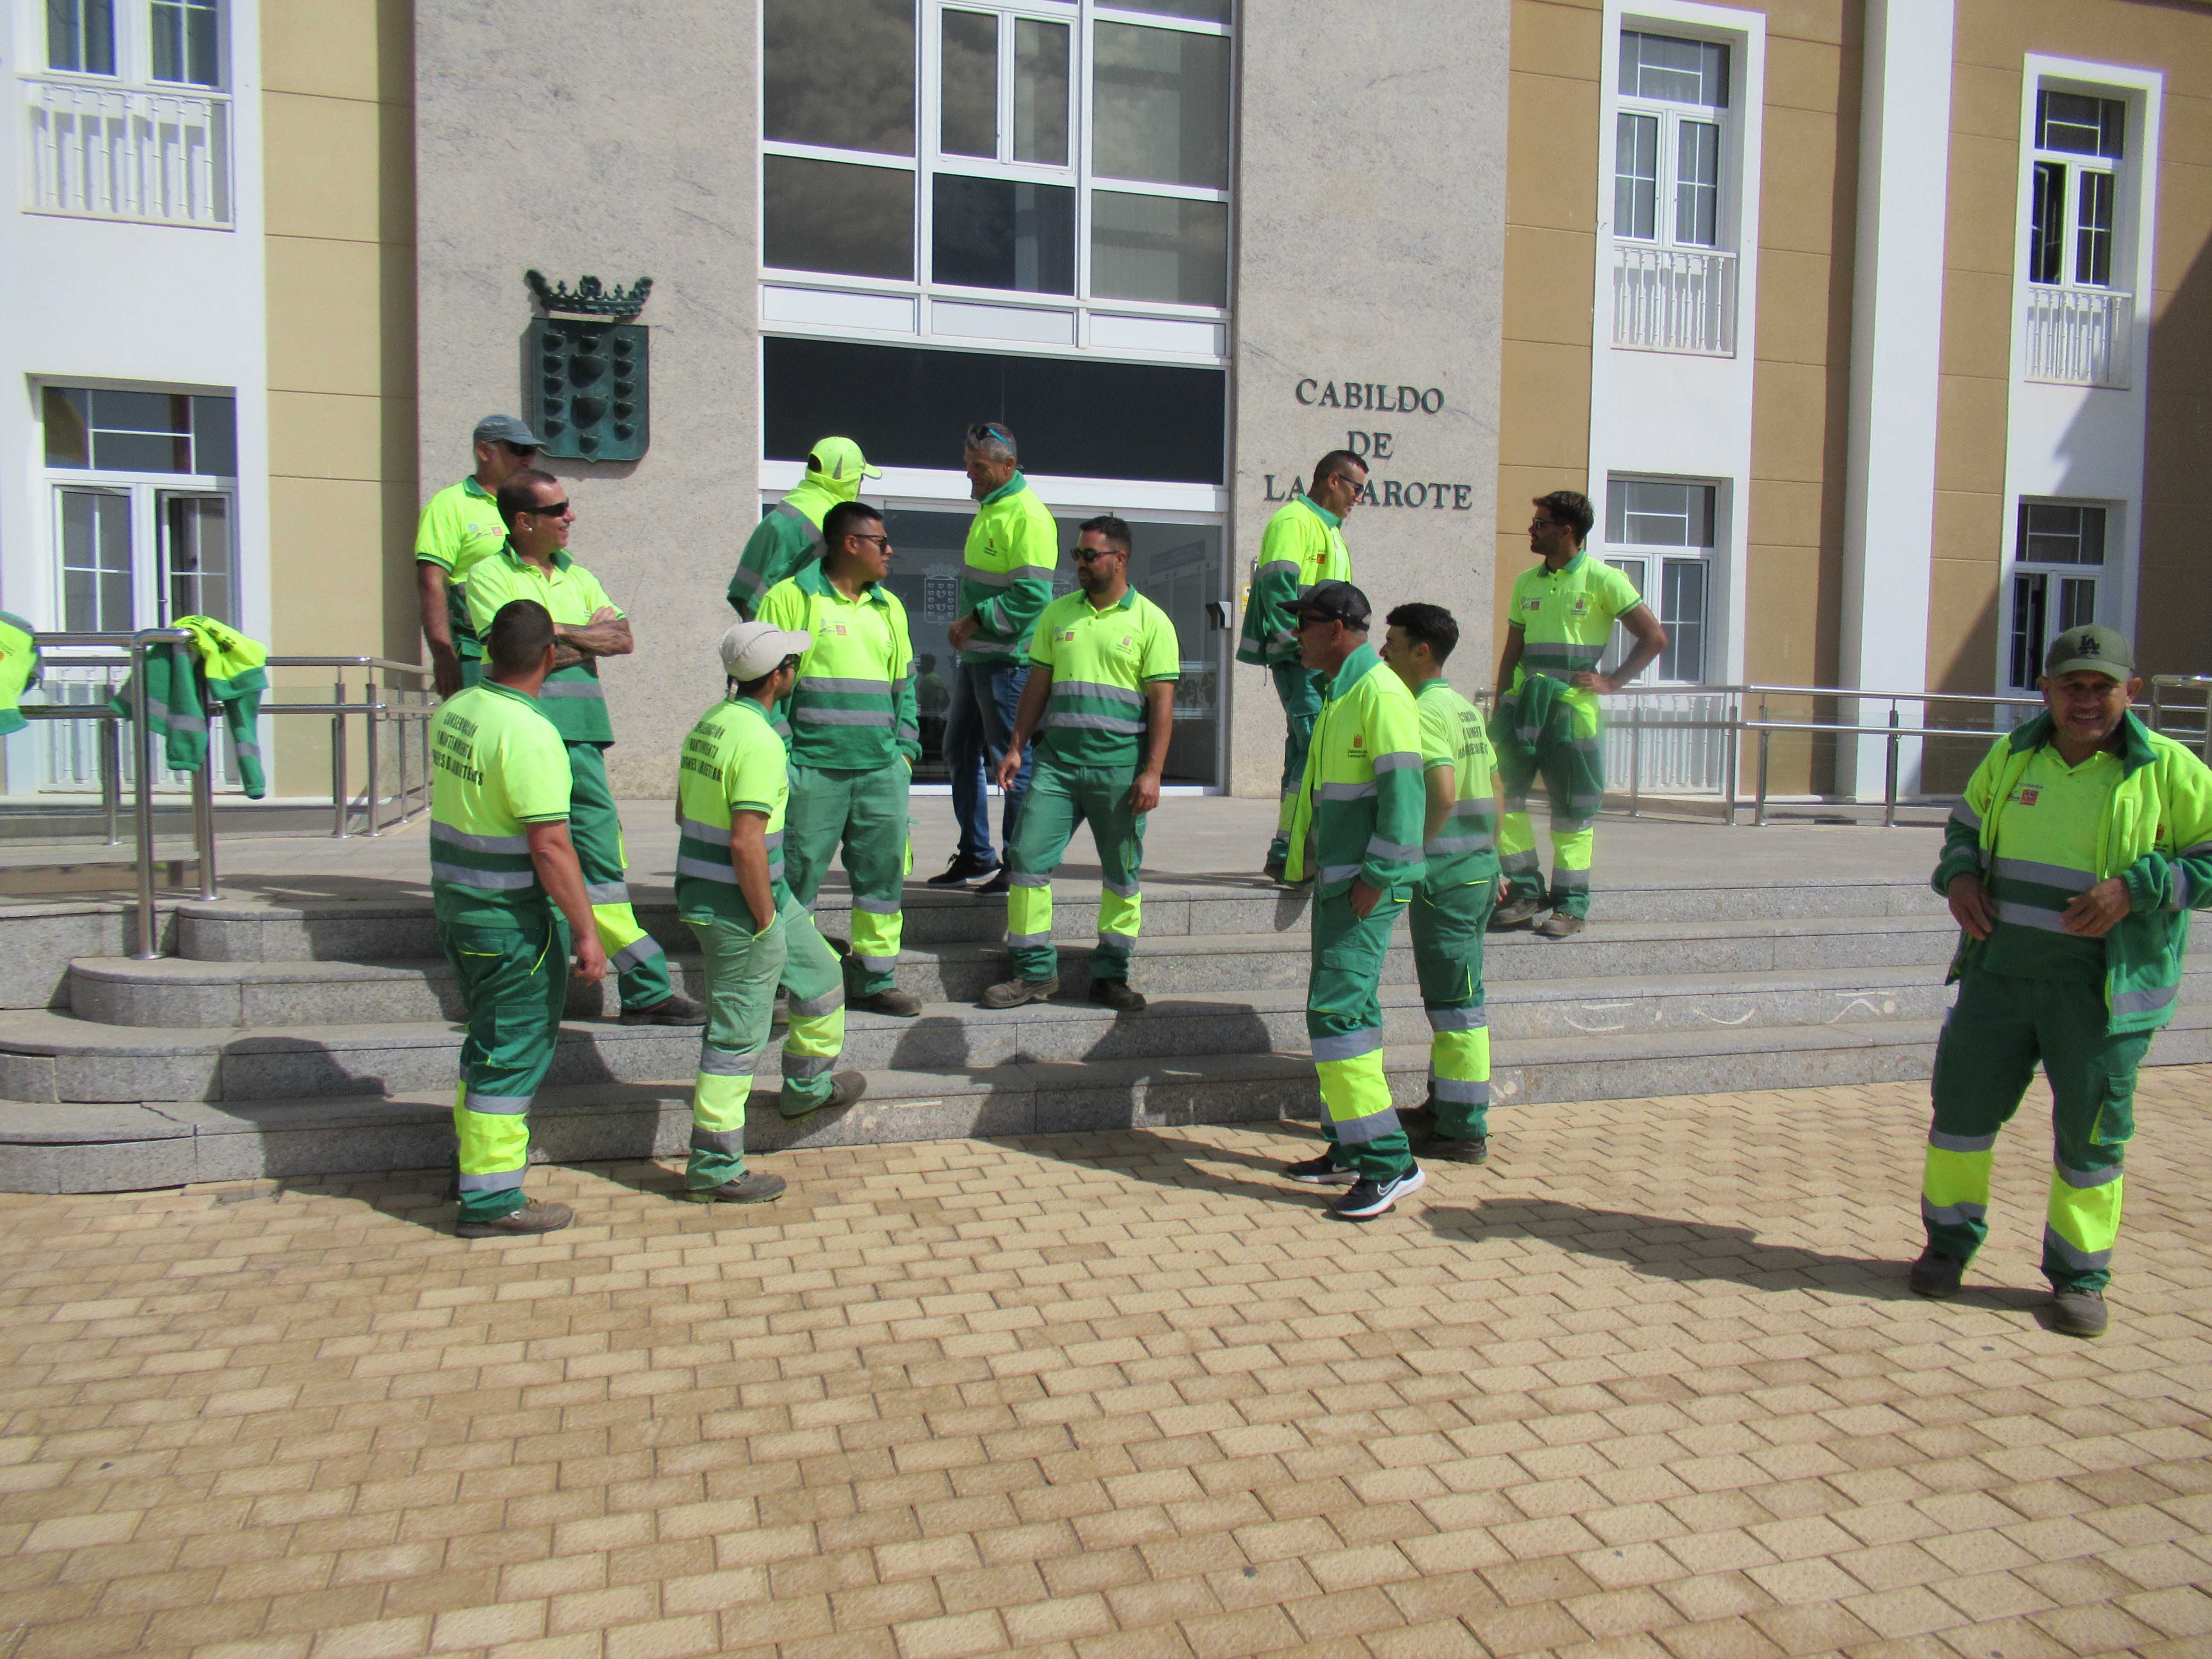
(729, 794)
(2082, 844)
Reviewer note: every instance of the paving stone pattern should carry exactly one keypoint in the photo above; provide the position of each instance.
(1648, 1385)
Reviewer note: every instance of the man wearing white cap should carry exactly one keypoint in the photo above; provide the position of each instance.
(730, 793)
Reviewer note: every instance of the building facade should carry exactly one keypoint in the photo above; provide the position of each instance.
(1876, 329)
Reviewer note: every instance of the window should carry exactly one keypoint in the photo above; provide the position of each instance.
(940, 144)
(1674, 99)
(176, 42)
(144, 486)
(2058, 558)
(2079, 142)
(81, 36)
(1659, 533)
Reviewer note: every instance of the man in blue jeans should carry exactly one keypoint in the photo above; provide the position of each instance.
(1004, 582)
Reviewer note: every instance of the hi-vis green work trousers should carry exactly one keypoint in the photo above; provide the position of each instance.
(866, 814)
(1562, 745)
(513, 981)
(1344, 1018)
(1447, 925)
(1059, 800)
(595, 827)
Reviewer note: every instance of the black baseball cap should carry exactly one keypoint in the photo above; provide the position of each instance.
(2091, 648)
(1333, 602)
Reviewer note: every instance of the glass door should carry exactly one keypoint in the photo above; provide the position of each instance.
(195, 556)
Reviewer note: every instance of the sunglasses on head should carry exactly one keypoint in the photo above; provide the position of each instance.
(984, 432)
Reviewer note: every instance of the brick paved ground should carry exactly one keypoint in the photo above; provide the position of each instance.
(1648, 1385)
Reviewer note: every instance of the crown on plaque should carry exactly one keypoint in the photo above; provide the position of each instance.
(592, 298)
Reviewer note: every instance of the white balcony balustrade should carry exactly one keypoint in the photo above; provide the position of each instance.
(2080, 336)
(112, 152)
(1674, 299)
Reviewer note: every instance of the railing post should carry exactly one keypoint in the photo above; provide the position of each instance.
(368, 699)
(1889, 782)
(339, 762)
(111, 776)
(1635, 755)
(204, 815)
(1732, 760)
(399, 748)
(1758, 816)
(143, 800)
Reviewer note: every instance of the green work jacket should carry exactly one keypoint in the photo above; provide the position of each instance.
(1005, 576)
(1362, 802)
(1303, 545)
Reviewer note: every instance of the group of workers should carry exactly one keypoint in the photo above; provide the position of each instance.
(2082, 844)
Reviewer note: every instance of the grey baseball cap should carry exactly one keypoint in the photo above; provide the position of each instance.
(507, 429)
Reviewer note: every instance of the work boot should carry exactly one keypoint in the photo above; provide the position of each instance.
(1323, 1171)
(1012, 993)
(845, 1088)
(2079, 1313)
(1117, 994)
(532, 1217)
(1369, 1199)
(1515, 913)
(1935, 1275)
(671, 1010)
(963, 870)
(998, 884)
(1559, 925)
(753, 1186)
(1473, 1150)
(900, 1005)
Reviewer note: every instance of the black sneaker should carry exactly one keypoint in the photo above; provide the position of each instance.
(1473, 1150)
(963, 870)
(2079, 1313)
(1515, 913)
(669, 1011)
(531, 1218)
(1117, 994)
(1323, 1171)
(753, 1186)
(1935, 1275)
(999, 884)
(1369, 1199)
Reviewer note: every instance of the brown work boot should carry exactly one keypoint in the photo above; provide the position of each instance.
(1012, 993)
(532, 1218)
(753, 1186)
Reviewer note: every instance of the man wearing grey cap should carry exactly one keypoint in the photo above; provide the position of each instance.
(731, 791)
(461, 524)
(2082, 843)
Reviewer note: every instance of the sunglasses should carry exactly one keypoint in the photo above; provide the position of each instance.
(522, 452)
(984, 432)
(859, 536)
(1084, 554)
(551, 510)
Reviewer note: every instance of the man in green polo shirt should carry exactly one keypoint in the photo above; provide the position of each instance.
(2083, 842)
(1302, 545)
(1102, 667)
(461, 524)
(731, 791)
(790, 537)
(533, 563)
(1546, 721)
(500, 862)
(1005, 580)
(853, 741)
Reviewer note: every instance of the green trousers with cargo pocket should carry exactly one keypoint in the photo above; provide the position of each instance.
(1539, 731)
(1447, 925)
(595, 828)
(1344, 1019)
(1059, 800)
(513, 981)
(1999, 1029)
(864, 814)
(742, 971)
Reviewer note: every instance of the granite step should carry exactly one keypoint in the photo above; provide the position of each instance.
(102, 1148)
(175, 992)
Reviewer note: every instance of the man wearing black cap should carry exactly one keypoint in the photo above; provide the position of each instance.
(461, 524)
(2082, 843)
(1355, 827)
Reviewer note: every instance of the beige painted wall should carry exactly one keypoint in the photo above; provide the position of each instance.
(338, 162)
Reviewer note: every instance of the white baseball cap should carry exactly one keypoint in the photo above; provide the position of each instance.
(751, 649)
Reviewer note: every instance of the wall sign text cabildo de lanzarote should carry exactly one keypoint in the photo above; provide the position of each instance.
(1374, 447)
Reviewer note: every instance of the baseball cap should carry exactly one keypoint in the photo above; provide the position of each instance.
(1333, 602)
(840, 458)
(751, 649)
(2090, 649)
(506, 429)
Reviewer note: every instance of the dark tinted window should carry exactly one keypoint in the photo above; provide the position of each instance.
(828, 215)
(994, 233)
(907, 407)
(840, 73)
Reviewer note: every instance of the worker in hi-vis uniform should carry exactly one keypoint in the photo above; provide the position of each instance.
(1302, 545)
(731, 790)
(1356, 827)
(501, 868)
(2082, 843)
(533, 563)
(1546, 721)
(461, 524)
(1451, 906)
(789, 536)
(854, 742)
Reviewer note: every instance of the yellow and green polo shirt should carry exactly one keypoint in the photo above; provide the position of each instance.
(1302, 546)
(1566, 616)
(1464, 849)
(1101, 661)
(1005, 576)
(852, 708)
(2047, 854)
(572, 697)
(496, 766)
(732, 762)
(461, 524)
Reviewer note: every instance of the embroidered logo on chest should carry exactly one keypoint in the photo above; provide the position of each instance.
(2025, 796)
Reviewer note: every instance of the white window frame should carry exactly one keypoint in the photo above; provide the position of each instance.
(2105, 575)
(1653, 557)
(2119, 274)
(134, 51)
(1672, 117)
(1077, 325)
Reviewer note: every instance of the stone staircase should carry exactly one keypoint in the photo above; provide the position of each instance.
(318, 1039)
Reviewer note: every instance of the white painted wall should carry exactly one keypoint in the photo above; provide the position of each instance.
(158, 305)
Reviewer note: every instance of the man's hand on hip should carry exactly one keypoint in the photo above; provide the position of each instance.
(1970, 904)
(1362, 898)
